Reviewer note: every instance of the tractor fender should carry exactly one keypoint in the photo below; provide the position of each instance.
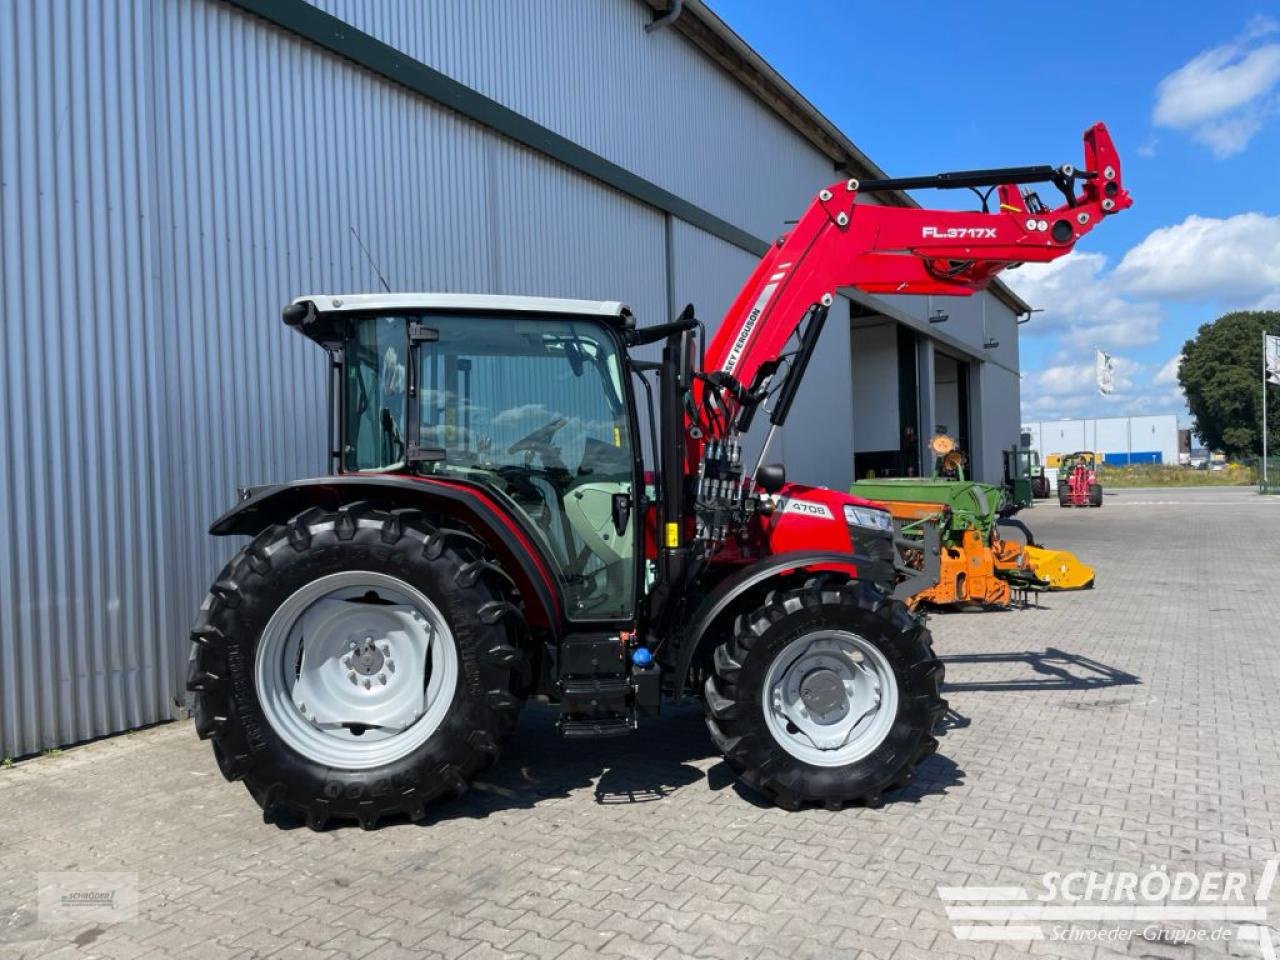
(485, 517)
(700, 634)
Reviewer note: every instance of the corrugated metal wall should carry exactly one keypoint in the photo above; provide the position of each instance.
(83, 547)
(171, 173)
(588, 70)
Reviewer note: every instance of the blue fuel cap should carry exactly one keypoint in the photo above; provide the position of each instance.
(641, 656)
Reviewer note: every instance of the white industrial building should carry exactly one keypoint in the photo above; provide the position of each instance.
(1120, 440)
(173, 172)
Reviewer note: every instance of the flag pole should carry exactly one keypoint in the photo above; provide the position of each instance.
(1264, 410)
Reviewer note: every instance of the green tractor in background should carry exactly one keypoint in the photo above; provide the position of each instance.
(1024, 477)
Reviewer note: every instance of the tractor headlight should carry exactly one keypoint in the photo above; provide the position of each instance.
(867, 517)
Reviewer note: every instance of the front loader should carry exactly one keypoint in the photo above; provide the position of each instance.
(492, 528)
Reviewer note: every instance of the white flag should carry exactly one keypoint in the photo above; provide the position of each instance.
(1273, 357)
(1104, 372)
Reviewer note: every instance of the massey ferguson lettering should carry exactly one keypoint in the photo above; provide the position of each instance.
(959, 233)
(740, 341)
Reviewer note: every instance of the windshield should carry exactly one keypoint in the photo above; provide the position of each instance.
(534, 409)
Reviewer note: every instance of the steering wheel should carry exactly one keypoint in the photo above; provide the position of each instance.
(539, 442)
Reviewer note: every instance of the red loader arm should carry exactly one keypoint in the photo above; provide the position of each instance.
(840, 243)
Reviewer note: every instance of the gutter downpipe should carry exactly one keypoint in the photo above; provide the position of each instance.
(668, 18)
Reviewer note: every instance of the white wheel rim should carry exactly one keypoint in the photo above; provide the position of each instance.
(830, 698)
(356, 670)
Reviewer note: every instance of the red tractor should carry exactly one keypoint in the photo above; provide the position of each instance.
(1078, 484)
(494, 527)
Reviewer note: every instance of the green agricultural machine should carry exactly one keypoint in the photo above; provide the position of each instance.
(1024, 476)
(976, 566)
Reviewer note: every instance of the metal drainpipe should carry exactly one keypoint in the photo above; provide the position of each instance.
(668, 18)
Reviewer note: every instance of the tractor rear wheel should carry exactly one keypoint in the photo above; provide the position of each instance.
(826, 694)
(1095, 495)
(357, 664)
(1063, 495)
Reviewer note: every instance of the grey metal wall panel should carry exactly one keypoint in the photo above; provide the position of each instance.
(170, 175)
(650, 102)
(706, 272)
(556, 233)
(995, 391)
(81, 391)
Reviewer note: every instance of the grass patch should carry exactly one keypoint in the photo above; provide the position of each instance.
(1167, 475)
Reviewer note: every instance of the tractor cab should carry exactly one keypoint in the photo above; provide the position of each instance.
(524, 398)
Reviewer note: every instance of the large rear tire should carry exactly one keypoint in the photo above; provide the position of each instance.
(1095, 495)
(357, 664)
(827, 694)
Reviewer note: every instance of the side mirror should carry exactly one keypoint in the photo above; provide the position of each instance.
(574, 353)
(771, 476)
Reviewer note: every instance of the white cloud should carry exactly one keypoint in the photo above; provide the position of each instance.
(1070, 390)
(1083, 303)
(1222, 96)
(1235, 260)
(1168, 372)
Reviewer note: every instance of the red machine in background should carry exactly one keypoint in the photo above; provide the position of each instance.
(1078, 484)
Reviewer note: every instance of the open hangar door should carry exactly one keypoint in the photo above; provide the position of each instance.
(907, 386)
(886, 435)
(951, 407)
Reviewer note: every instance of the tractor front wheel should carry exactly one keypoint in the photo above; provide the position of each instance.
(357, 664)
(1095, 495)
(826, 694)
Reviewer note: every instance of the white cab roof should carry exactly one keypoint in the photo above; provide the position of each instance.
(462, 301)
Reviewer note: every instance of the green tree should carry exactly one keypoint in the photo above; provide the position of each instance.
(1221, 374)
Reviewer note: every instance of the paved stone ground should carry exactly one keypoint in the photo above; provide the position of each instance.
(1124, 728)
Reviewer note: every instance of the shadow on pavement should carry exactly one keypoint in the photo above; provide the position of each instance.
(648, 766)
(1052, 669)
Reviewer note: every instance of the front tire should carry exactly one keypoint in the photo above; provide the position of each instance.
(357, 664)
(1095, 495)
(826, 694)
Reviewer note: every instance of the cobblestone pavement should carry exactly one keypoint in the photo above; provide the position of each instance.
(1120, 729)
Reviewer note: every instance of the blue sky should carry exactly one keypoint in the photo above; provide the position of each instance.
(1191, 94)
